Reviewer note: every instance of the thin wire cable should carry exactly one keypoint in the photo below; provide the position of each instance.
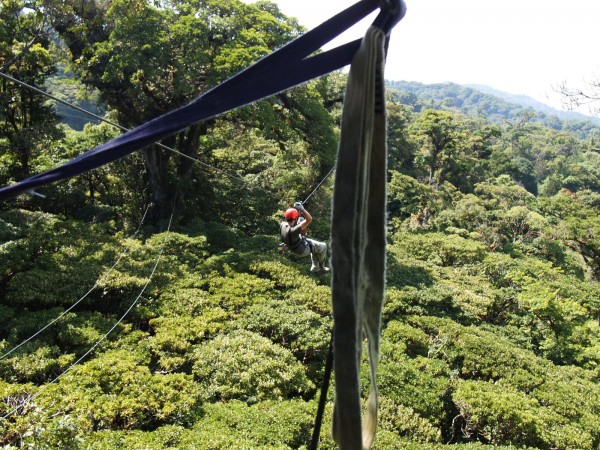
(177, 152)
(93, 347)
(39, 91)
(122, 128)
(100, 280)
(319, 185)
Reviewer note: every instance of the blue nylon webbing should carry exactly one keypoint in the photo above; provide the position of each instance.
(281, 70)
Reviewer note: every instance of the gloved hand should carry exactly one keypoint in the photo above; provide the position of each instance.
(299, 207)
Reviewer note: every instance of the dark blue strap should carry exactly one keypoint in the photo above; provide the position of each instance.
(287, 67)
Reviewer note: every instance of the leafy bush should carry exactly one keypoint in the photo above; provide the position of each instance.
(243, 365)
(405, 271)
(266, 425)
(173, 337)
(316, 298)
(295, 327)
(496, 413)
(78, 332)
(236, 291)
(35, 363)
(116, 390)
(434, 300)
(414, 340)
(405, 422)
(439, 249)
(57, 263)
(417, 383)
(474, 353)
(406, 196)
(165, 437)
(282, 273)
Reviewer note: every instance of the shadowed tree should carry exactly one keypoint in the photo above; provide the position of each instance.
(147, 59)
(27, 122)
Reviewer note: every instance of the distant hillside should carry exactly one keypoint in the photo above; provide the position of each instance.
(529, 102)
(492, 105)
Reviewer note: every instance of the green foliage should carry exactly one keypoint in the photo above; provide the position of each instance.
(296, 286)
(245, 366)
(28, 125)
(284, 275)
(317, 299)
(406, 195)
(236, 291)
(418, 383)
(498, 414)
(231, 425)
(437, 136)
(406, 422)
(434, 300)
(413, 340)
(401, 151)
(438, 249)
(173, 338)
(490, 332)
(116, 390)
(39, 364)
(168, 436)
(294, 327)
(525, 397)
(268, 424)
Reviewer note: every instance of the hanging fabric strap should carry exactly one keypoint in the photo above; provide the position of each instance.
(358, 239)
(287, 67)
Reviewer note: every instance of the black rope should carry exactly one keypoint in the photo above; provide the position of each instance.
(314, 443)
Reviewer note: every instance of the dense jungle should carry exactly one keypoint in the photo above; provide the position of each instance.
(146, 305)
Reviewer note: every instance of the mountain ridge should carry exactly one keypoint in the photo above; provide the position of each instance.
(526, 101)
(491, 105)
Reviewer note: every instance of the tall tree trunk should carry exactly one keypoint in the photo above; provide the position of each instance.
(156, 162)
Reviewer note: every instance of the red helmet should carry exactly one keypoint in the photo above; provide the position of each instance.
(291, 213)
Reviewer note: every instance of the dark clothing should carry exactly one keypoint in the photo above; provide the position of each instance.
(291, 237)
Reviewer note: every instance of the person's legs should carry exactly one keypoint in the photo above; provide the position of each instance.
(318, 256)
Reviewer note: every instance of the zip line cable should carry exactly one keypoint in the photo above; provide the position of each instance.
(39, 91)
(319, 185)
(120, 127)
(82, 298)
(102, 119)
(99, 341)
(294, 63)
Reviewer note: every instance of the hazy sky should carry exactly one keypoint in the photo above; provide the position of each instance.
(519, 46)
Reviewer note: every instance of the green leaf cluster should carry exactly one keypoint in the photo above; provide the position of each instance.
(191, 330)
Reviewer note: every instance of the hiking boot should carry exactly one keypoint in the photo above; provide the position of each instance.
(324, 270)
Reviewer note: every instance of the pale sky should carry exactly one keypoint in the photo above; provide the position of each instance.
(518, 46)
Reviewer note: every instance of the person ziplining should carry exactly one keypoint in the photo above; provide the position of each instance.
(293, 236)
(358, 236)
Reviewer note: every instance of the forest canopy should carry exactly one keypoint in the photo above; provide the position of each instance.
(145, 304)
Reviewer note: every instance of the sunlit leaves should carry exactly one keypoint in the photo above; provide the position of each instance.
(245, 366)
